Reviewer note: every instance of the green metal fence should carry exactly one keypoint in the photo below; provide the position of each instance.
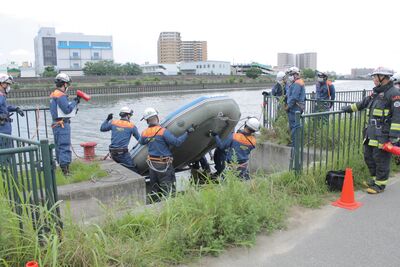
(36, 124)
(327, 140)
(272, 104)
(28, 176)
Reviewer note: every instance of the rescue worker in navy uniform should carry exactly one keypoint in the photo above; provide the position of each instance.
(239, 145)
(296, 97)
(61, 110)
(325, 90)
(121, 132)
(158, 141)
(5, 121)
(279, 88)
(383, 126)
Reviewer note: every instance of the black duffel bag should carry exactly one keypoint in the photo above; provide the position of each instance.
(334, 180)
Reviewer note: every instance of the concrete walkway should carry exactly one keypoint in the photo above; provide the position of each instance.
(368, 236)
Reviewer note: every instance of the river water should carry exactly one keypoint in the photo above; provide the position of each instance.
(86, 125)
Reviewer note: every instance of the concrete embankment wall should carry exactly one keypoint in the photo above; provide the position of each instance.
(35, 93)
(120, 190)
(270, 158)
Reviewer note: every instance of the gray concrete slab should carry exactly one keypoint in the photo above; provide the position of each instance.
(122, 189)
(368, 236)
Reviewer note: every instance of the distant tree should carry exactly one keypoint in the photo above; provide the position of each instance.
(108, 67)
(253, 72)
(49, 71)
(308, 73)
(131, 69)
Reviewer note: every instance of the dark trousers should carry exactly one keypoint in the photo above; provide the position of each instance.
(323, 107)
(293, 126)
(219, 160)
(62, 141)
(124, 159)
(162, 183)
(244, 171)
(378, 162)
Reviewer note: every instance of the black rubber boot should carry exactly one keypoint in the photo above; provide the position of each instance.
(369, 183)
(375, 189)
(65, 170)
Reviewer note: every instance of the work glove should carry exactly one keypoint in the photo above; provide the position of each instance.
(347, 109)
(394, 140)
(211, 133)
(190, 130)
(286, 107)
(20, 112)
(266, 93)
(109, 117)
(77, 99)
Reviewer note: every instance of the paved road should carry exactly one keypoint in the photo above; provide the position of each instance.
(368, 236)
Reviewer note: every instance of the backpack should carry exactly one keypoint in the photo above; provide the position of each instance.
(334, 180)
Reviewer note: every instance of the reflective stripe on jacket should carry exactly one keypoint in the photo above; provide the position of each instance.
(383, 107)
(159, 139)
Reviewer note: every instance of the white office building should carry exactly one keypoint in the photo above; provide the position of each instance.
(160, 69)
(68, 52)
(209, 67)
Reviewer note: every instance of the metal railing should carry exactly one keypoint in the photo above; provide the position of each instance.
(327, 140)
(35, 125)
(28, 177)
(272, 104)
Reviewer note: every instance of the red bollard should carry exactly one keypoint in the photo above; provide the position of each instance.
(88, 150)
(32, 264)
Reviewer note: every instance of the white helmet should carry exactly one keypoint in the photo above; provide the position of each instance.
(293, 70)
(280, 76)
(148, 113)
(382, 71)
(5, 78)
(253, 124)
(62, 78)
(396, 77)
(126, 110)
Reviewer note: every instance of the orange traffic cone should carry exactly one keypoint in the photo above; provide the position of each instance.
(347, 200)
(32, 264)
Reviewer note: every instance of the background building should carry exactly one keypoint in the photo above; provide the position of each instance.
(240, 69)
(193, 51)
(302, 61)
(286, 60)
(69, 52)
(160, 69)
(361, 72)
(205, 68)
(306, 61)
(169, 47)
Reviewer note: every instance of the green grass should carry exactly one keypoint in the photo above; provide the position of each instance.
(80, 171)
(204, 220)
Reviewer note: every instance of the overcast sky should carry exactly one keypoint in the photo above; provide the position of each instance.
(344, 33)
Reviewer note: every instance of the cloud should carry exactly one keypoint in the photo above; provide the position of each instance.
(20, 52)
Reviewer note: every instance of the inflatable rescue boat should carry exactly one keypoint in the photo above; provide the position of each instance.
(217, 113)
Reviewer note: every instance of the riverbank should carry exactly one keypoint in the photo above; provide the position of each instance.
(142, 89)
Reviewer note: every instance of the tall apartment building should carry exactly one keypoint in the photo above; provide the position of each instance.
(69, 52)
(306, 61)
(193, 51)
(302, 61)
(169, 47)
(286, 60)
(172, 49)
